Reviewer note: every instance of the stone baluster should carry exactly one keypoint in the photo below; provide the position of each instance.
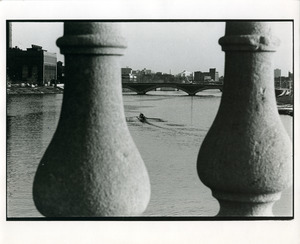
(91, 167)
(245, 158)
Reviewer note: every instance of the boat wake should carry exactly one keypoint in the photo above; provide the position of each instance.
(146, 120)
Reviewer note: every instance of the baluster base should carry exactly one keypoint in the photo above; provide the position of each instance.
(249, 205)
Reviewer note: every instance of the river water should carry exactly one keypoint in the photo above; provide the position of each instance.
(169, 147)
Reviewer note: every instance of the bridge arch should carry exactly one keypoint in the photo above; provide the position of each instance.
(131, 88)
(208, 88)
(161, 85)
(190, 89)
(143, 89)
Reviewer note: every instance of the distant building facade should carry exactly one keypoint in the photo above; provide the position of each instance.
(146, 71)
(186, 76)
(147, 76)
(128, 75)
(34, 66)
(206, 77)
(277, 73)
(282, 82)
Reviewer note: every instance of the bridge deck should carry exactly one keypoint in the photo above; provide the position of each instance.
(191, 89)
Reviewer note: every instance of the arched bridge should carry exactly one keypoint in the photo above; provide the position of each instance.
(191, 89)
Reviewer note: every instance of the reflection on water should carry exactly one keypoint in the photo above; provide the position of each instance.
(31, 121)
(169, 145)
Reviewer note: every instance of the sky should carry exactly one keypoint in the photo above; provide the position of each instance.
(169, 47)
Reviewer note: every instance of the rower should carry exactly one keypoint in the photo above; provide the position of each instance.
(142, 117)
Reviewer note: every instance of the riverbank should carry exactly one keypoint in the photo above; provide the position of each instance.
(34, 90)
(285, 105)
(284, 102)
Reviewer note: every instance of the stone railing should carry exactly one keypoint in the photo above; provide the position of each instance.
(92, 167)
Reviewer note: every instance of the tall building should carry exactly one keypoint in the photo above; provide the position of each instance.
(34, 66)
(277, 73)
(212, 75)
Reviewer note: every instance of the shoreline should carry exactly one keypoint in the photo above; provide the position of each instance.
(34, 90)
(284, 103)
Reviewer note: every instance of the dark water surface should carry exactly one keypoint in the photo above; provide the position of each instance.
(169, 145)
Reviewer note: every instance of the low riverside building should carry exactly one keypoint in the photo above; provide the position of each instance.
(206, 77)
(128, 75)
(34, 65)
(186, 76)
(283, 82)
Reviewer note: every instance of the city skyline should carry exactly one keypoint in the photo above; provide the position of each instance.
(168, 47)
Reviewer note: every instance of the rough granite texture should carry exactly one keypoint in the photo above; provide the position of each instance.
(92, 167)
(246, 156)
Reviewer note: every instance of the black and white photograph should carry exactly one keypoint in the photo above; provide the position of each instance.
(161, 121)
(172, 86)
